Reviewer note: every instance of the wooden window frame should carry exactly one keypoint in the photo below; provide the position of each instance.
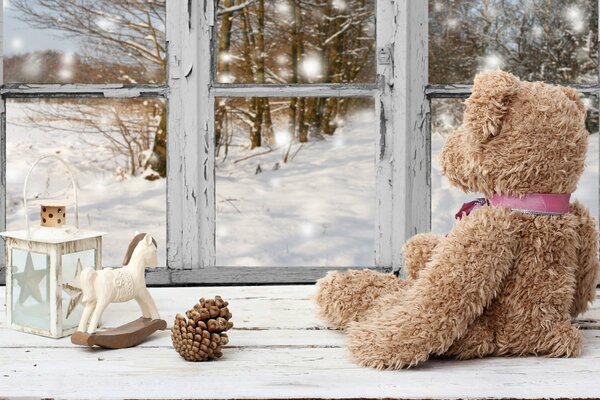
(402, 135)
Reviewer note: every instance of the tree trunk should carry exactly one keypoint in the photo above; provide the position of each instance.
(158, 160)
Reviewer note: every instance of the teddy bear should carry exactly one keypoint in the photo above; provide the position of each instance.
(518, 265)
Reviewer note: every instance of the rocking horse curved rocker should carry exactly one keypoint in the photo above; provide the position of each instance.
(100, 288)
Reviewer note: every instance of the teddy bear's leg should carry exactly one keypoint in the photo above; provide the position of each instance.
(462, 278)
(417, 252)
(479, 341)
(586, 274)
(346, 296)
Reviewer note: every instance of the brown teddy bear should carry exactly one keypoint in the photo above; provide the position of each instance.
(512, 274)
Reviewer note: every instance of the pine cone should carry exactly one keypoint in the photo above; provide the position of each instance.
(200, 336)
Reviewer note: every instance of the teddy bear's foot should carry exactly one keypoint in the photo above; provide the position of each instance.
(564, 340)
(417, 252)
(346, 296)
(372, 344)
(478, 342)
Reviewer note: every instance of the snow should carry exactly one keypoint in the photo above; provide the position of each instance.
(107, 203)
(316, 210)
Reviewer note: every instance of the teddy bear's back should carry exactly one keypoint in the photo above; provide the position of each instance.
(537, 292)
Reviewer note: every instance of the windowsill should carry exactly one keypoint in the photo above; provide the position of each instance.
(278, 348)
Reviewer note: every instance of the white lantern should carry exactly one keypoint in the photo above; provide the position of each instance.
(43, 265)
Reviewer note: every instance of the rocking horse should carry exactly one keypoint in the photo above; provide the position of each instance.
(100, 288)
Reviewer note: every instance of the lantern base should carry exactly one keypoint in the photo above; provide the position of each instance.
(128, 335)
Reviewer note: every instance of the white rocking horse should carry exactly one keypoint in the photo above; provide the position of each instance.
(105, 286)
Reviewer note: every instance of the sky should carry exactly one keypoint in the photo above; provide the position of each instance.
(20, 38)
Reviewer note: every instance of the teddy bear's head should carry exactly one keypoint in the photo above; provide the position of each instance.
(517, 137)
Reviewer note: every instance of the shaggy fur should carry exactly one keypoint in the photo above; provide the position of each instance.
(502, 283)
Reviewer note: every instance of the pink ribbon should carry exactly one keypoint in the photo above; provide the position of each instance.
(530, 203)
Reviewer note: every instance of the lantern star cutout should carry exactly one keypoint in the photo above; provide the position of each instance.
(73, 289)
(29, 282)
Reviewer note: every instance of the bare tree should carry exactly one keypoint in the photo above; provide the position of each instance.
(129, 34)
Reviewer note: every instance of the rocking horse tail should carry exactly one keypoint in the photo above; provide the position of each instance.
(88, 276)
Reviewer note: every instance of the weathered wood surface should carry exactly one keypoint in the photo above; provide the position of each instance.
(278, 349)
(71, 90)
(242, 275)
(190, 198)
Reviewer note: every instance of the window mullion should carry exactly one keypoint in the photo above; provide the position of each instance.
(190, 178)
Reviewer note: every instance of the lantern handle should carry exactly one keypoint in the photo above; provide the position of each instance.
(73, 184)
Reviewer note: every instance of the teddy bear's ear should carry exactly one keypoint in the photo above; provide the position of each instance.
(575, 97)
(487, 105)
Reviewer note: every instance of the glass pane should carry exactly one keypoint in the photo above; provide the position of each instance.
(84, 41)
(296, 41)
(549, 40)
(72, 264)
(297, 187)
(30, 289)
(118, 151)
(446, 115)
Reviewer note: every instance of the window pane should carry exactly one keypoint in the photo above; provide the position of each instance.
(296, 193)
(117, 149)
(296, 41)
(446, 115)
(84, 41)
(549, 40)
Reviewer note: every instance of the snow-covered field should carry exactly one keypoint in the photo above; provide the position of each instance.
(317, 209)
(107, 203)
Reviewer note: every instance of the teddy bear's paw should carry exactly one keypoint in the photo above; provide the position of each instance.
(347, 296)
(375, 346)
(417, 252)
(564, 340)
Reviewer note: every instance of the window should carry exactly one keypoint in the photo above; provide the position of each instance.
(303, 136)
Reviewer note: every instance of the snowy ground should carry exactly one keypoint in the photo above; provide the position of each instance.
(107, 203)
(317, 209)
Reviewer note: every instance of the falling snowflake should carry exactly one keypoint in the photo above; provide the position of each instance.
(106, 24)
(492, 62)
(65, 74)
(452, 23)
(312, 67)
(575, 17)
(283, 138)
(307, 229)
(339, 5)
(226, 57)
(537, 31)
(283, 8)
(226, 78)
(68, 58)
(17, 43)
(282, 59)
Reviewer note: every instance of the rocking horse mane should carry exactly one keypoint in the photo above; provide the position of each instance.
(134, 242)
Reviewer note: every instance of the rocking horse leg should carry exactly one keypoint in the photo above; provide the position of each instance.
(85, 317)
(143, 307)
(101, 305)
(147, 303)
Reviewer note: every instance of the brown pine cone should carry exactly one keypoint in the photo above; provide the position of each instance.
(200, 334)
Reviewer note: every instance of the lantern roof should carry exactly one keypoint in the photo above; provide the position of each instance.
(42, 234)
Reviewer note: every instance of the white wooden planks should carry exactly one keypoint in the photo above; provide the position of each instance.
(278, 349)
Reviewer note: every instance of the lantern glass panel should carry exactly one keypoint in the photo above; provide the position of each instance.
(86, 258)
(30, 289)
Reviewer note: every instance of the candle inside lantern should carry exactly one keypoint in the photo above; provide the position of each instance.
(53, 214)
